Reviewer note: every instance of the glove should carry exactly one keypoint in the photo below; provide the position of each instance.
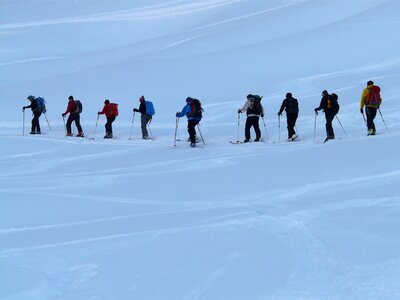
(361, 110)
(316, 111)
(239, 111)
(99, 112)
(262, 116)
(23, 109)
(63, 114)
(176, 115)
(135, 110)
(279, 114)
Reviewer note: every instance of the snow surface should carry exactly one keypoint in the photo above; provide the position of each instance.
(133, 219)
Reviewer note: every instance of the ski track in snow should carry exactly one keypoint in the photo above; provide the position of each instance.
(168, 9)
(76, 227)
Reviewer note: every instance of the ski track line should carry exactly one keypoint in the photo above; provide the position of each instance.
(246, 218)
(36, 59)
(28, 155)
(179, 165)
(169, 9)
(107, 199)
(375, 67)
(172, 230)
(320, 264)
(250, 15)
(315, 187)
(212, 277)
(132, 216)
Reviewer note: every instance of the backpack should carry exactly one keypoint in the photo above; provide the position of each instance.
(41, 104)
(255, 106)
(78, 106)
(374, 97)
(196, 109)
(113, 109)
(332, 102)
(149, 108)
(292, 106)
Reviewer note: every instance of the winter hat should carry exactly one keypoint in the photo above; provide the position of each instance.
(141, 99)
(30, 97)
(249, 96)
(189, 99)
(325, 92)
(370, 82)
(289, 95)
(107, 101)
(71, 98)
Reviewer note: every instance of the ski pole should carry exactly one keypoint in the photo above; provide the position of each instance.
(23, 121)
(176, 130)
(279, 127)
(365, 121)
(65, 127)
(238, 128)
(315, 126)
(133, 119)
(383, 119)
(265, 127)
(198, 127)
(47, 120)
(341, 125)
(95, 128)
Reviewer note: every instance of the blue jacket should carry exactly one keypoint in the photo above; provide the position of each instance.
(186, 110)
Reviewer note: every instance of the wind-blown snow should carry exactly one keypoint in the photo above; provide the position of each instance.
(133, 219)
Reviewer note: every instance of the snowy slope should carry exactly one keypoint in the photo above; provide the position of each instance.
(133, 219)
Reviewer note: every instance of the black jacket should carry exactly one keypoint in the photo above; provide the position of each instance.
(324, 103)
(33, 106)
(290, 105)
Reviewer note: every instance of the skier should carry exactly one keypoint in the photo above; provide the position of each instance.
(111, 112)
(372, 100)
(74, 109)
(330, 107)
(254, 110)
(145, 117)
(36, 114)
(291, 106)
(193, 111)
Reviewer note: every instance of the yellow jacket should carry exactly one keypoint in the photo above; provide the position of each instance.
(365, 98)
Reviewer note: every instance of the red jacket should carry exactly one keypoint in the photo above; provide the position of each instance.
(71, 108)
(106, 110)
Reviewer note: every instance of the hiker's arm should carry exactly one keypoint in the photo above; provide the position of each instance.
(245, 106)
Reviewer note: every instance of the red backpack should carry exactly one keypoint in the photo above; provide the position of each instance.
(113, 109)
(374, 97)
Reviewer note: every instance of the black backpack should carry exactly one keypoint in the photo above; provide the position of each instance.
(78, 106)
(196, 109)
(255, 107)
(332, 102)
(292, 106)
